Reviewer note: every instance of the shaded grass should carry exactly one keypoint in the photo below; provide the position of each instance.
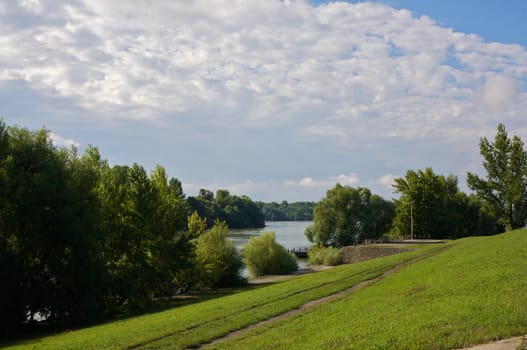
(472, 293)
(195, 324)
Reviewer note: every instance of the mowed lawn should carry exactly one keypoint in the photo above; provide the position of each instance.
(474, 292)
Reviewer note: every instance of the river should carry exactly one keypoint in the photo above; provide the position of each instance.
(290, 234)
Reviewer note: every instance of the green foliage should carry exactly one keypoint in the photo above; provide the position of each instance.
(237, 212)
(196, 225)
(80, 239)
(298, 211)
(218, 262)
(264, 256)
(437, 207)
(320, 255)
(505, 188)
(349, 215)
(145, 245)
(51, 264)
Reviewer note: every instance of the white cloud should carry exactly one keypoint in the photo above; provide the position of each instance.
(387, 181)
(499, 90)
(340, 70)
(34, 6)
(59, 141)
(350, 180)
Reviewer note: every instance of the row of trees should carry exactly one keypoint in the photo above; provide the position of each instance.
(284, 211)
(237, 212)
(431, 205)
(81, 239)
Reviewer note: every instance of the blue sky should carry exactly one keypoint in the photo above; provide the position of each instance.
(493, 20)
(277, 100)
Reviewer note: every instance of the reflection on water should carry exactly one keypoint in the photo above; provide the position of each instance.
(290, 234)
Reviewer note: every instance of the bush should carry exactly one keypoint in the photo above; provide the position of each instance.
(264, 256)
(320, 255)
(218, 261)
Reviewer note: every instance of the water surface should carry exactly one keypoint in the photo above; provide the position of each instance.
(290, 234)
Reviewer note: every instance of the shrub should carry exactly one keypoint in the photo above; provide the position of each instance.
(218, 261)
(264, 256)
(320, 255)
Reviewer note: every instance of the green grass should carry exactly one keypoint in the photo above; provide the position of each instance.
(474, 292)
(195, 324)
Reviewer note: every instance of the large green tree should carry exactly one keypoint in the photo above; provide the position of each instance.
(349, 215)
(50, 263)
(432, 206)
(143, 221)
(505, 187)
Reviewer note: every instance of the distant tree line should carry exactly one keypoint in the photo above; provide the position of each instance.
(237, 212)
(81, 239)
(284, 211)
(431, 205)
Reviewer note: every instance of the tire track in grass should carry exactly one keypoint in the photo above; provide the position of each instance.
(249, 308)
(320, 301)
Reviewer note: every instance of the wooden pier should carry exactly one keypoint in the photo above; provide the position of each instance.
(300, 252)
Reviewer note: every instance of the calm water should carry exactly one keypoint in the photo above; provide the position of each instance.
(290, 234)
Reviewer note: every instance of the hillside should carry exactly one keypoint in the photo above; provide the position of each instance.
(442, 296)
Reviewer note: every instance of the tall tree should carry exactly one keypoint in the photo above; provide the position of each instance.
(436, 208)
(51, 264)
(425, 197)
(349, 215)
(505, 187)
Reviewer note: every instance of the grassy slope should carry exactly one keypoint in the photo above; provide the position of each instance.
(472, 293)
(194, 324)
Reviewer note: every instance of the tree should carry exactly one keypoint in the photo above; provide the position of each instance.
(51, 261)
(144, 223)
(237, 212)
(505, 188)
(436, 208)
(297, 211)
(349, 215)
(423, 203)
(196, 225)
(218, 261)
(263, 255)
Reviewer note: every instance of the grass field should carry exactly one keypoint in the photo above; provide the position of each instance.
(474, 292)
(448, 295)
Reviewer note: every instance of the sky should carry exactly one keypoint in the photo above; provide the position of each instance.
(276, 100)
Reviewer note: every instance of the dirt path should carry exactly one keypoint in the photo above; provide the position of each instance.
(278, 278)
(516, 343)
(314, 303)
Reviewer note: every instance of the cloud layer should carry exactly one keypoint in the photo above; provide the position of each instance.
(345, 75)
